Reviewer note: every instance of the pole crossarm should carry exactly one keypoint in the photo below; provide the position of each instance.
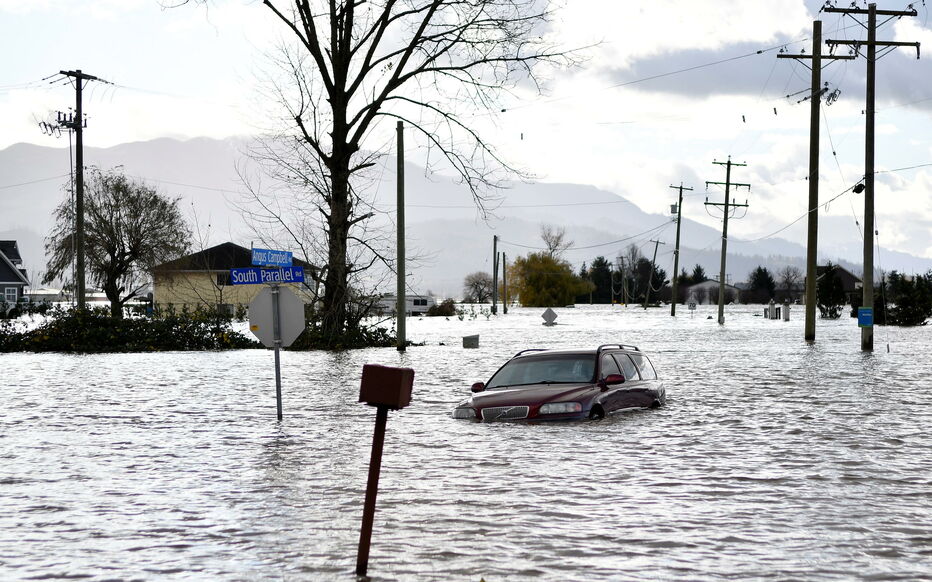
(801, 58)
(887, 43)
(748, 186)
(82, 76)
(832, 9)
(730, 204)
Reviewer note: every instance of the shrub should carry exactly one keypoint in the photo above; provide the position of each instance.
(446, 308)
(95, 331)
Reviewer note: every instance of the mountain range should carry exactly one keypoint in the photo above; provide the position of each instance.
(447, 237)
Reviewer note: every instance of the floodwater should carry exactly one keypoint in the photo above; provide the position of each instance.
(773, 460)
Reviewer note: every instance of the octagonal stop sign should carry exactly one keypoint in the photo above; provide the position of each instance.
(291, 315)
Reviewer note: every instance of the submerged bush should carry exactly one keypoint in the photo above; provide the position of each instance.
(446, 308)
(93, 331)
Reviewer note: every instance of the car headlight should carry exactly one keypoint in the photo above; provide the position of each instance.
(465, 412)
(560, 407)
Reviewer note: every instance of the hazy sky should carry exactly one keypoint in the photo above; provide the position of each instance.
(670, 87)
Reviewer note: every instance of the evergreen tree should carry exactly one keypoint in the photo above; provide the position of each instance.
(830, 294)
(762, 285)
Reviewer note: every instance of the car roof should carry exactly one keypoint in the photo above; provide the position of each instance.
(581, 351)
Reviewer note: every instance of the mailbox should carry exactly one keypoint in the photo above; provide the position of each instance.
(386, 386)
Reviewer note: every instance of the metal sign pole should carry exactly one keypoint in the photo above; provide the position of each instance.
(277, 335)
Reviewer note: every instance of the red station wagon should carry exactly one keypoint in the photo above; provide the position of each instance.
(565, 385)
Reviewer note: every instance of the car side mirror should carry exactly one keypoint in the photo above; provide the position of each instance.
(614, 379)
(478, 387)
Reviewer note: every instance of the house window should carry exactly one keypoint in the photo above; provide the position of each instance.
(420, 302)
(9, 294)
(223, 279)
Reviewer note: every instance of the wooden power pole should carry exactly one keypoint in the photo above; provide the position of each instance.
(401, 308)
(867, 331)
(812, 240)
(494, 274)
(676, 250)
(78, 127)
(728, 206)
(651, 276)
(504, 284)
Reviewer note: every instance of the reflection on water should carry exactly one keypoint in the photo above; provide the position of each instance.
(773, 460)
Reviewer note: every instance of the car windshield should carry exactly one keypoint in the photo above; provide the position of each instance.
(545, 369)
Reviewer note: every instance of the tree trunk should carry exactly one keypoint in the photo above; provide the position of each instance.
(113, 295)
(336, 281)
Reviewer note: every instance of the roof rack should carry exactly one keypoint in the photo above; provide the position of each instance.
(620, 346)
(529, 350)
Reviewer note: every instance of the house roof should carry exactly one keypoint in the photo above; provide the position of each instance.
(9, 248)
(9, 274)
(821, 269)
(222, 257)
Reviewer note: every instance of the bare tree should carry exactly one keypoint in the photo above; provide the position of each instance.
(555, 240)
(477, 287)
(429, 63)
(789, 281)
(129, 227)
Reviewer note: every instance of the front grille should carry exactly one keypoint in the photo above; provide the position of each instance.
(504, 413)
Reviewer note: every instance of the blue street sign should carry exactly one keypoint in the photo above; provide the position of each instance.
(257, 276)
(865, 316)
(270, 258)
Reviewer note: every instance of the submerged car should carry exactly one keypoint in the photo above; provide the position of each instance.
(565, 385)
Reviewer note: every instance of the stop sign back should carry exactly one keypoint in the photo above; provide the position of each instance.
(291, 315)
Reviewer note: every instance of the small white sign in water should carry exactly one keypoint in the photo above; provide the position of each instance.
(549, 316)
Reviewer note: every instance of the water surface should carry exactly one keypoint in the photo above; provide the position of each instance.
(773, 460)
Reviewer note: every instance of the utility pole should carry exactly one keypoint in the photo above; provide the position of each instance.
(624, 282)
(79, 79)
(401, 308)
(867, 332)
(650, 278)
(676, 251)
(728, 205)
(814, 132)
(494, 274)
(504, 284)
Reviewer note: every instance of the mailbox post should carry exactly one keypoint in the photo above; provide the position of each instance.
(385, 388)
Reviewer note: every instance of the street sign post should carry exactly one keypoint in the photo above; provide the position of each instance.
(865, 317)
(387, 389)
(276, 318)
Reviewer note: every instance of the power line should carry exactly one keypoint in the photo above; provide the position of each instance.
(34, 181)
(539, 248)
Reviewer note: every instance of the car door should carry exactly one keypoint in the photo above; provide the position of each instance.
(613, 399)
(634, 393)
(648, 388)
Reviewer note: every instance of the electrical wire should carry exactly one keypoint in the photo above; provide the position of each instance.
(34, 181)
(797, 220)
(539, 248)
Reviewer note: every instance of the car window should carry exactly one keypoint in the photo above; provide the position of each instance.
(559, 368)
(631, 372)
(644, 365)
(609, 366)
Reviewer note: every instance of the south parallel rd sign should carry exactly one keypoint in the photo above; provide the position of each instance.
(257, 276)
